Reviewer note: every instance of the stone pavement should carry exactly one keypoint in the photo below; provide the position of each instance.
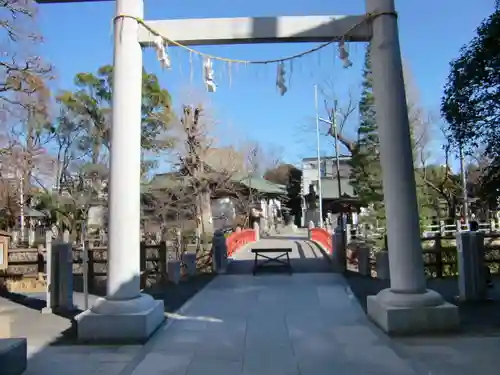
(39, 329)
(271, 324)
(239, 324)
(306, 323)
(453, 355)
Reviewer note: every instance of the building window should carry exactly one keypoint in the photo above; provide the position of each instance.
(323, 168)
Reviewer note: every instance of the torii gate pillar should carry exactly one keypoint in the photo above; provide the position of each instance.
(408, 306)
(125, 313)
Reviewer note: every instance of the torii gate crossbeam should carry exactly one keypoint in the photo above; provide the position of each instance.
(251, 30)
(125, 313)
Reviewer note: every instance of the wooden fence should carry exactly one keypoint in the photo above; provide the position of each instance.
(448, 229)
(440, 254)
(492, 226)
(26, 267)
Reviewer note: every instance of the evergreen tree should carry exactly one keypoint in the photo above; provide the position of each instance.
(470, 104)
(366, 173)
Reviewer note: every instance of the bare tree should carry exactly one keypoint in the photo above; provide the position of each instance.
(24, 101)
(339, 112)
(259, 158)
(193, 163)
(21, 70)
(9, 202)
(344, 109)
(344, 106)
(23, 141)
(66, 142)
(440, 183)
(185, 195)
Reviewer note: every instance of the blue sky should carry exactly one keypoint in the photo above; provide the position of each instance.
(78, 38)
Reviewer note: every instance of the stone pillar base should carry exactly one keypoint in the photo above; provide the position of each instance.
(130, 321)
(406, 314)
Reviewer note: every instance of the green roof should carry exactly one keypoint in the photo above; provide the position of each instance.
(172, 181)
(162, 181)
(260, 184)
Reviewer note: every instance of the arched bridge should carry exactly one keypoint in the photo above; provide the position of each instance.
(304, 251)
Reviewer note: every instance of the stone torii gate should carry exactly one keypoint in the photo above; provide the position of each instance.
(125, 313)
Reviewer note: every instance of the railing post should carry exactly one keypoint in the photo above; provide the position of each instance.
(15, 238)
(51, 297)
(66, 237)
(442, 228)
(31, 237)
(59, 274)
(256, 228)
(472, 275)
(142, 265)
(91, 272)
(162, 252)
(439, 256)
(219, 253)
(40, 260)
(85, 270)
(364, 266)
(339, 252)
(348, 236)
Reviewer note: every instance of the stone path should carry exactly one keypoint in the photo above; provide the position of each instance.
(271, 324)
(453, 355)
(306, 323)
(39, 329)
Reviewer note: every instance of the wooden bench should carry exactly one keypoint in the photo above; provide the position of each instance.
(264, 253)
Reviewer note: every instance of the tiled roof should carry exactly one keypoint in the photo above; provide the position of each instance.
(260, 184)
(173, 181)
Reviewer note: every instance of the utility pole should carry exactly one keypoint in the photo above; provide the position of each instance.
(337, 149)
(465, 196)
(320, 193)
(334, 132)
(22, 223)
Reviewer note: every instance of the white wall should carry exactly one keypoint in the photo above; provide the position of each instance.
(328, 169)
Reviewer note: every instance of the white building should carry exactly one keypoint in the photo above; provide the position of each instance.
(329, 181)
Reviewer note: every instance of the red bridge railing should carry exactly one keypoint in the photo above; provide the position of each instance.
(236, 240)
(322, 237)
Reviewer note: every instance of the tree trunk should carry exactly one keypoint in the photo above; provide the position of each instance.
(350, 145)
(205, 213)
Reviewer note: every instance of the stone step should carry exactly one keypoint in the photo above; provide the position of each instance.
(13, 356)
